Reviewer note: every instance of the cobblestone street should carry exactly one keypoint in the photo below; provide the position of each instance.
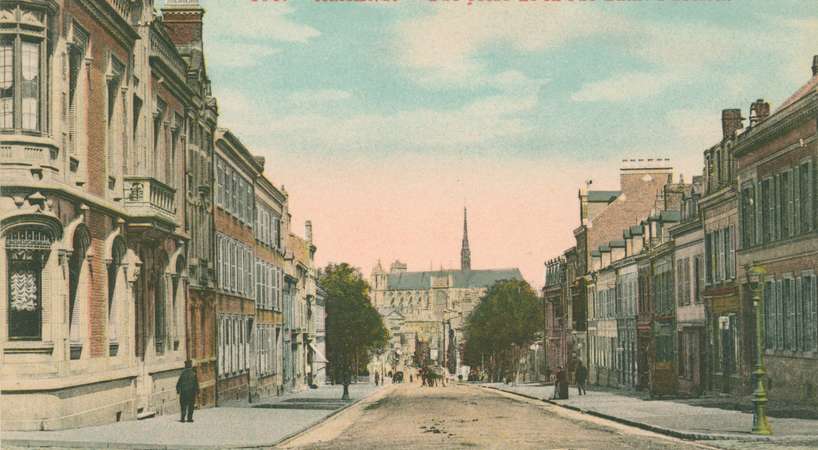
(470, 417)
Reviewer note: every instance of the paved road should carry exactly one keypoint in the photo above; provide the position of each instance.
(414, 417)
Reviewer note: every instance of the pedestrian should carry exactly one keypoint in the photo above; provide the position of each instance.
(187, 387)
(562, 376)
(581, 374)
(376, 378)
(411, 380)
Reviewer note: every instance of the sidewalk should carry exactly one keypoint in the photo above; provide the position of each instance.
(673, 418)
(259, 425)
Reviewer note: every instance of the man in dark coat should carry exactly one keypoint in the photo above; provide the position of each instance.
(581, 374)
(187, 387)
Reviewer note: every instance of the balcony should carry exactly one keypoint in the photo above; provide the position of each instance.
(148, 198)
(24, 159)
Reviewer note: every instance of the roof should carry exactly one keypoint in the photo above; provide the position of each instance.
(604, 248)
(801, 92)
(461, 278)
(603, 196)
(617, 244)
(671, 216)
(636, 230)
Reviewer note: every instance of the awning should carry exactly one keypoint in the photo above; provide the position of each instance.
(319, 357)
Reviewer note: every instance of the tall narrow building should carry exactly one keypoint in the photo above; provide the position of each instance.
(465, 253)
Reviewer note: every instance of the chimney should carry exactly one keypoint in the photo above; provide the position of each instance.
(183, 19)
(815, 65)
(731, 121)
(759, 110)
(308, 231)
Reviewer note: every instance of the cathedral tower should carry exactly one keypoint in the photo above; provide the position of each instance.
(465, 253)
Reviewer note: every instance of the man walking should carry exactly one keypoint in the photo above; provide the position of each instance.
(377, 378)
(187, 387)
(581, 374)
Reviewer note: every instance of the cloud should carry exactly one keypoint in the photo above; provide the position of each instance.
(258, 21)
(443, 48)
(476, 125)
(238, 55)
(317, 96)
(624, 87)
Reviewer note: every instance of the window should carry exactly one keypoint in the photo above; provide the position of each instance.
(26, 253)
(76, 265)
(767, 211)
(748, 216)
(785, 208)
(114, 117)
(22, 53)
(805, 197)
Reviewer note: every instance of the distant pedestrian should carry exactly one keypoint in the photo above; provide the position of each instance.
(377, 378)
(581, 374)
(187, 387)
(411, 379)
(560, 385)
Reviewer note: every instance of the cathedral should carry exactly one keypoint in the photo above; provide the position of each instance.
(425, 311)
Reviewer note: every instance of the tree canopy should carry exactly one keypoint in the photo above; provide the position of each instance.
(354, 329)
(502, 326)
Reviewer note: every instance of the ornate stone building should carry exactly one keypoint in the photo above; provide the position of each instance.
(93, 114)
(430, 307)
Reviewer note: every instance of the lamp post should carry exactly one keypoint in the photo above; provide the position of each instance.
(755, 276)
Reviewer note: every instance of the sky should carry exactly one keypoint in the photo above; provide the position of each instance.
(384, 119)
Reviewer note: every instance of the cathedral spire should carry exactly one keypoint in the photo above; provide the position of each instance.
(465, 253)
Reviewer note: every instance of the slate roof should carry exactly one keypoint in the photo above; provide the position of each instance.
(461, 279)
(804, 90)
(603, 196)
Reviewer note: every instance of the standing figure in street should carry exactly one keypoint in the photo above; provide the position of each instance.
(581, 375)
(560, 385)
(377, 378)
(187, 387)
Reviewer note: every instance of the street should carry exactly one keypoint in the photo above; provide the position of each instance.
(461, 416)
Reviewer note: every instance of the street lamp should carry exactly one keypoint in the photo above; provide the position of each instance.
(755, 278)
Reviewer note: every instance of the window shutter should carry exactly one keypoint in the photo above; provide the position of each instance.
(796, 201)
(799, 315)
(808, 201)
(779, 316)
(812, 301)
(768, 320)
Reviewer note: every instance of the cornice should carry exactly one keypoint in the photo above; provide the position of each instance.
(779, 123)
(112, 21)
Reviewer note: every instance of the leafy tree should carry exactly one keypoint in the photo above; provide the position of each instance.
(502, 326)
(354, 328)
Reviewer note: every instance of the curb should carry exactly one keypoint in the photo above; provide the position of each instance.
(684, 435)
(46, 443)
(320, 421)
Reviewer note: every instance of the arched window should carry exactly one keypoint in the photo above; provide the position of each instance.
(27, 252)
(76, 265)
(113, 271)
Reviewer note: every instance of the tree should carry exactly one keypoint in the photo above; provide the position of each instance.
(502, 326)
(354, 329)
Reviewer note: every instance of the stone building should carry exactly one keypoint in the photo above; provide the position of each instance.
(776, 157)
(183, 20)
(727, 317)
(270, 209)
(299, 293)
(605, 259)
(430, 307)
(688, 260)
(94, 118)
(234, 222)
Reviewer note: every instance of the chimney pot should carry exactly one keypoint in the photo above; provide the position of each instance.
(759, 110)
(731, 121)
(308, 231)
